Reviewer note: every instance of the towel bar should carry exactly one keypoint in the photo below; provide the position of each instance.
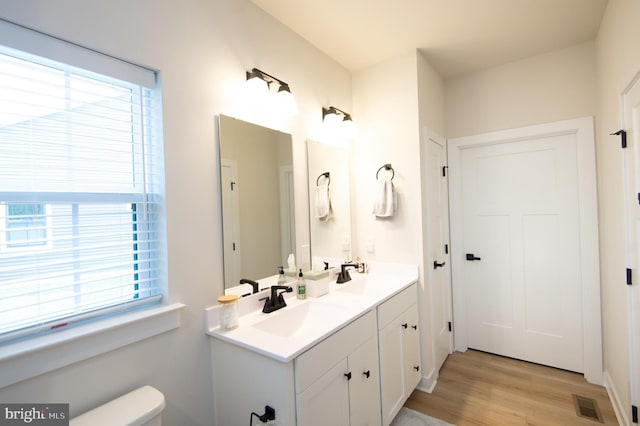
(386, 167)
(326, 175)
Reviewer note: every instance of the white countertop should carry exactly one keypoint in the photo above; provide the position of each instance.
(289, 331)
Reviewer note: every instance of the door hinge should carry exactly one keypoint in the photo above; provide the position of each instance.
(634, 414)
(444, 171)
(629, 276)
(446, 249)
(450, 326)
(623, 137)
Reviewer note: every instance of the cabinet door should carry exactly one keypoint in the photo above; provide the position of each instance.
(411, 337)
(326, 401)
(392, 371)
(364, 386)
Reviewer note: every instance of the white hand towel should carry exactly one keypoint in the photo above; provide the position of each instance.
(323, 202)
(384, 204)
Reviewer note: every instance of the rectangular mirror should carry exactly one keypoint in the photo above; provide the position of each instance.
(328, 165)
(258, 220)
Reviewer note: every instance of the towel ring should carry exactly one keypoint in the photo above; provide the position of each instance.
(386, 167)
(326, 176)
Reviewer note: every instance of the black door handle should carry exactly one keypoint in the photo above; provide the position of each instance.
(437, 265)
(367, 373)
(471, 257)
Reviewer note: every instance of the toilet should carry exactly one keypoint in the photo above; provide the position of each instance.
(141, 407)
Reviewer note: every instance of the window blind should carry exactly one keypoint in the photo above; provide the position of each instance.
(81, 183)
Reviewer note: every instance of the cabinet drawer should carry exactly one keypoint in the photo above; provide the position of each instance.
(318, 360)
(396, 305)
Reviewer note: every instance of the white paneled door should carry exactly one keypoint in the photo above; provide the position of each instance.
(519, 254)
(631, 157)
(438, 267)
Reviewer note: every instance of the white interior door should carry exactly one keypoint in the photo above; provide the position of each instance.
(231, 225)
(438, 267)
(631, 156)
(524, 245)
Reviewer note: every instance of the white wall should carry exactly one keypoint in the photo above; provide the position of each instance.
(202, 49)
(550, 87)
(618, 60)
(393, 102)
(385, 100)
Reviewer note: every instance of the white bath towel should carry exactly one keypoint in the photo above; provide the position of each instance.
(323, 202)
(384, 204)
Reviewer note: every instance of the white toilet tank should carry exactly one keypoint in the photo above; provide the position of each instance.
(141, 407)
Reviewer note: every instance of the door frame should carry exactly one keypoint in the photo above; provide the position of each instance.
(583, 129)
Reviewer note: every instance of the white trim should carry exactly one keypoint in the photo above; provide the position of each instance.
(27, 40)
(618, 407)
(428, 383)
(588, 211)
(29, 358)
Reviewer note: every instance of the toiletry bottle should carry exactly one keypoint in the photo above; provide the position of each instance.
(282, 280)
(301, 287)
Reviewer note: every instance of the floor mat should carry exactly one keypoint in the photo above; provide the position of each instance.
(408, 417)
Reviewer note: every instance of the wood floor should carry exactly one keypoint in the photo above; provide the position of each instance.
(476, 388)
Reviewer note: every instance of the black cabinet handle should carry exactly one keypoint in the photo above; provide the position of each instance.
(414, 326)
(471, 257)
(416, 367)
(437, 265)
(367, 374)
(348, 375)
(405, 325)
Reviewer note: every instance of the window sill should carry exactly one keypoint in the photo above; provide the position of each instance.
(30, 358)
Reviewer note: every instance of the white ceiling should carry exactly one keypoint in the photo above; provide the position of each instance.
(457, 36)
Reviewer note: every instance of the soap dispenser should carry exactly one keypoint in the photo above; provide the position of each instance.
(301, 287)
(282, 280)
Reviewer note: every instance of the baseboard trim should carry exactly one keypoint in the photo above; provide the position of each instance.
(618, 407)
(428, 383)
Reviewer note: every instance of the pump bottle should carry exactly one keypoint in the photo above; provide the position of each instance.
(301, 287)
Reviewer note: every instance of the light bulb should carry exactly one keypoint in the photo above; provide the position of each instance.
(286, 102)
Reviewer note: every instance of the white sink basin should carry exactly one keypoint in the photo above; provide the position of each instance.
(299, 319)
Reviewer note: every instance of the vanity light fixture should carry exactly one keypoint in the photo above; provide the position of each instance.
(259, 83)
(338, 121)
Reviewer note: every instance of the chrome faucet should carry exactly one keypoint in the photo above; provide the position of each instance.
(343, 275)
(276, 301)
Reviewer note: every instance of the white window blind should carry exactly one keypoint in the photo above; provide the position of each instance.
(81, 183)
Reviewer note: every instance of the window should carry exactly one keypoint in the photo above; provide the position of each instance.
(25, 226)
(81, 184)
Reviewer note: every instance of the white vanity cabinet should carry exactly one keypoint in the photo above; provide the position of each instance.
(351, 357)
(337, 381)
(399, 346)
